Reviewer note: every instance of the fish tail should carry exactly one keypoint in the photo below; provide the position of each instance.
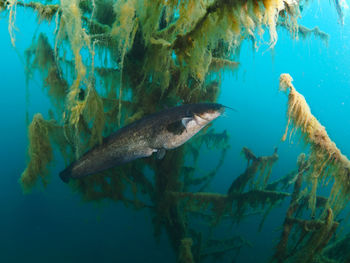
(65, 175)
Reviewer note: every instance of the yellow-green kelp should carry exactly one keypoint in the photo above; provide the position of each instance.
(40, 153)
(303, 240)
(311, 220)
(326, 160)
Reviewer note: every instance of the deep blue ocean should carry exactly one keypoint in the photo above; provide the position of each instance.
(55, 225)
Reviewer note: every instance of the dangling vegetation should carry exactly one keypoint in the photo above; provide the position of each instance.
(325, 165)
(40, 153)
(325, 158)
(108, 63)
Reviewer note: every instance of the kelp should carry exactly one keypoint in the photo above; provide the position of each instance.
(42, 134)
(304, 239)
(39, 152)
(261, 165)
(185, 254)
(234, 206)
(283, 182)
(305, 33)
(326, 160)
(337, 251)
(40, 56)
(281, 249)
(238, 199)
(163, 32)
(314, 236)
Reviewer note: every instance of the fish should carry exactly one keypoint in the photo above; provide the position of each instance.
(155, 133)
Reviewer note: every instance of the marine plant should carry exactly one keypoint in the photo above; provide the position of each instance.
(326, 160)
(108, 63)
(325, 165)
(40, 153)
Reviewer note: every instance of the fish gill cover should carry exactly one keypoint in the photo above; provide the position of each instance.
(113, 62)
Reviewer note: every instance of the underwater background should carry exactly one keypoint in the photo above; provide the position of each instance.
(55, 225)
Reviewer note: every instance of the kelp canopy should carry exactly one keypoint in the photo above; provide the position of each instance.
(109, 63)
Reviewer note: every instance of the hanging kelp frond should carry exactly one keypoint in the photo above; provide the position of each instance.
(326, 159)
(302, 240)
(185, 253)
(39, 153)
(42, 135)
(255, 165)
(40, 56)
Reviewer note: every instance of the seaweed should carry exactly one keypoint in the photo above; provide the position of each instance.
(40, 56)
(109, 63)
(326, 160)
(305, 32)
(39, 152)
(263, 165)
(311, 235)
(337, 251)
(185, 254)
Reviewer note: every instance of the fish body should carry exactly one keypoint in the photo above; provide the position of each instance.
(158, 132)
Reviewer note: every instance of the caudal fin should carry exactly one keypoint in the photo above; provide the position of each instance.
(65, 175)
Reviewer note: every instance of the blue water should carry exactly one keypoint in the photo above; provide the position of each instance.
(54, 225)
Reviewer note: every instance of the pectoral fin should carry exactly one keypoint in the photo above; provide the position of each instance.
(176, 127)
(160, 153)
(185, 121)
(179, 126)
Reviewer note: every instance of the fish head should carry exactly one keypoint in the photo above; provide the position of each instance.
(191, 118)
(204, 113)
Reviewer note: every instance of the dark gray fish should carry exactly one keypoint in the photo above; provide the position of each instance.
(155, 133)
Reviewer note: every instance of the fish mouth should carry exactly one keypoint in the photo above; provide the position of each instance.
(218, 110)
(209, 116)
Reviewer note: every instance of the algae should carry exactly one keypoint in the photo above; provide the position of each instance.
(109, 63)
(39, 152)
(326, 160)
